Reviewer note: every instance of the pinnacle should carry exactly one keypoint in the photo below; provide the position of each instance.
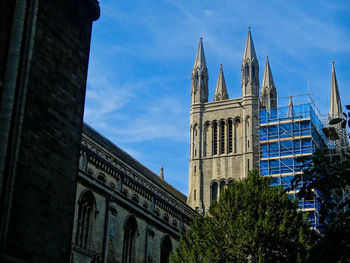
(335, 107)
(200, 57)
(221, 90)
(249, 50)
(268, 79)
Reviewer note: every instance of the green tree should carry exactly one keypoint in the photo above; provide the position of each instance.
(330, 175)
(252, 222)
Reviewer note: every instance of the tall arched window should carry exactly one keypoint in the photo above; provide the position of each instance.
(215, 138)
(205, 139)
(247, 132)
(222, 137)
(86, 213)
(165, 249)
(194, 141)
(214, 191)
(229, 134)
(130, 230)
(236, 135)
(222, 187)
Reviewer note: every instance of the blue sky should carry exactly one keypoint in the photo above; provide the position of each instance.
(142, 54)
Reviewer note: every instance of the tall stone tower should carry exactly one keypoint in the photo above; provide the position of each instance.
(44, 53)
(223, 133)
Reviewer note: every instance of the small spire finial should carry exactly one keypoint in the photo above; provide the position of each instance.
(200, 37)
(162, 172)
(221, 65)
(267, 57)
(249, 28)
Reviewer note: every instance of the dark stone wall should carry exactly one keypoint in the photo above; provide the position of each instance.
(42, 206)
(6, 15)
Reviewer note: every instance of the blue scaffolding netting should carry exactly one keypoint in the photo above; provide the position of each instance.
(285, 134)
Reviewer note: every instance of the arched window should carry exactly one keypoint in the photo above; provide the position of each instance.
(229, 132)
(222, 137)
(247, 132)
(215, 138)
(86, 212)
(205, 139)
(129, 245)
(165, 249)
(166, 218)
(101, 178)
(145, 205)
(214, 191)
(236, 135)
(174, 224)
(90, 172)
(194, 142)
(135, 199)
(222, 187)
(125, 192)
(156, 212)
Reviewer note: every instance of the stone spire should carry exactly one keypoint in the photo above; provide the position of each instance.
(250, 69)
(335, 108)
(249, 50)
(199, 89)
(268, 98)
(200, 57)
(221, 90)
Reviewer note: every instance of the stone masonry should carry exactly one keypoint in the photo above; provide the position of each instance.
(43, 68)
(223, 134)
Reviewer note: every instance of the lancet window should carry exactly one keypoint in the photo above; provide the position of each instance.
(86, 211)
(222, 137)
(130, 230)
(165, 249)
(214, 191)
(215, 138)
(230, 134)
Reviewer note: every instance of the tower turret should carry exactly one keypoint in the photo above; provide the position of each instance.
(250, 69)
(199, 90)
(221, 90)
(268, 98)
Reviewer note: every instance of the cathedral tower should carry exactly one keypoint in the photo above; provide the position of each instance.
(223, 132)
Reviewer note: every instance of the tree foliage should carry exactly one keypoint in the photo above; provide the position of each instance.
(330, 175)
(252, 222)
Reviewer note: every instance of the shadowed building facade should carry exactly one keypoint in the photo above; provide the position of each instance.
(124, 212)
(44, 52)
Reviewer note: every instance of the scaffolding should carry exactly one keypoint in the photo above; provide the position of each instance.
(286, 133)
